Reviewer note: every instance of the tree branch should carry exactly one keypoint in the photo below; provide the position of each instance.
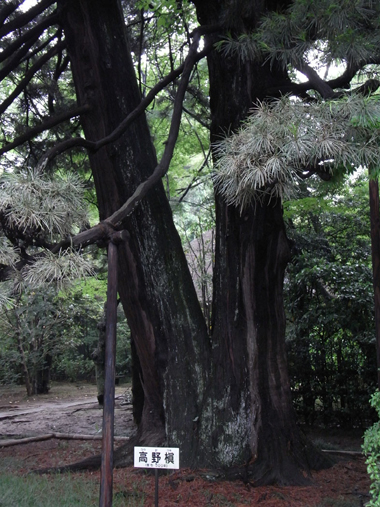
(342, 81)
(48, 124)
(31, 35)
(317, 82)
(163, 166)
(122, 127)
(29, 75)
(17, 58)
(24, 18)
(369, 87)
(7, 10)
(105, 229)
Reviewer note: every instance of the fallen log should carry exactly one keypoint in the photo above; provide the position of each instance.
(48, 436)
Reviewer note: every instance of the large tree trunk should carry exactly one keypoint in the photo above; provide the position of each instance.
(251, 420)
(155, 286)
(245, 420)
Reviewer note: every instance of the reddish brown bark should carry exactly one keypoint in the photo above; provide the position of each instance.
(252, 421)
(155, 286)
(236, 414)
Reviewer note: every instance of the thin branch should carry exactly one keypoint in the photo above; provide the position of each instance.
(105, 229)
(32, 34)
(163, 166)
(8, 9)
(48, 124)
(30, 74)
(24, 18)
(195, 178)
(14, 62)
(122, 127)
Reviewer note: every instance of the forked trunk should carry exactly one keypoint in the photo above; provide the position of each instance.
(237, 413)
(155, 286)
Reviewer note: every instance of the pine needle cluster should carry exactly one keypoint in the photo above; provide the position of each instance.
(288, 139)
(325, 30)
(36, 211)
(49, 206)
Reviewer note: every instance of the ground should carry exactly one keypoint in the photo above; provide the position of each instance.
(72, 409)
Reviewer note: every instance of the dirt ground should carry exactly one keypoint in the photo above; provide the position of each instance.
(73, 409)
(67, 408)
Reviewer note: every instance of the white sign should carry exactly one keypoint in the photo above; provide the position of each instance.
(156, 457)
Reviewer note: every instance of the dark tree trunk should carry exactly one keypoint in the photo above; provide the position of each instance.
(375, 246)
(42, 379)
(251, 419)
(155, 286)
(245, 420)
(98, 356)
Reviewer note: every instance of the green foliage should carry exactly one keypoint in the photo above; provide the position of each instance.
(329, 305)
(159, 37)
(169, 14)
(288, 139)
(371, 448)
(324, 32)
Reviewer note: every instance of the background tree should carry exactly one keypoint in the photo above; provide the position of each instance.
(35, 210)
(329, 303)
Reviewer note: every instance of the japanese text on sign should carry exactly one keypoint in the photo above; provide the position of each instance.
(156, 457)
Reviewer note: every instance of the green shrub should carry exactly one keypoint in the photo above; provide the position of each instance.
(371, 449)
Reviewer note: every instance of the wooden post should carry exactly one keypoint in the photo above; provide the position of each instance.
(106, 477)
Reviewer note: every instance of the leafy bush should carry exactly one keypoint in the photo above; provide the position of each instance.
(329, 305)
(371, 449)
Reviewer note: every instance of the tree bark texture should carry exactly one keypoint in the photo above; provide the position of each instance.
(98, 356)
(251, 419)
(154, 283)
(225, 403)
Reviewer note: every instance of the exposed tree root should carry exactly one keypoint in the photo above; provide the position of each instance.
(91, 463)
(255, 474)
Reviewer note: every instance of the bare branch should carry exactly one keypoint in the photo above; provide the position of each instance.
(369, 87)
(32, 34)
(195, 178)
(7, 10)
(25, 18)
(17, 57)
(122, 127)
(317, 82)
(104, 230)
(342, 81)
(48, 124)
(163, 165)
(29, 75)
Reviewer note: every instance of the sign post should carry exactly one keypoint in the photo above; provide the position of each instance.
(156, 457)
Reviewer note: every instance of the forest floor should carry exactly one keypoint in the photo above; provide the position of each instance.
(72, 409)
